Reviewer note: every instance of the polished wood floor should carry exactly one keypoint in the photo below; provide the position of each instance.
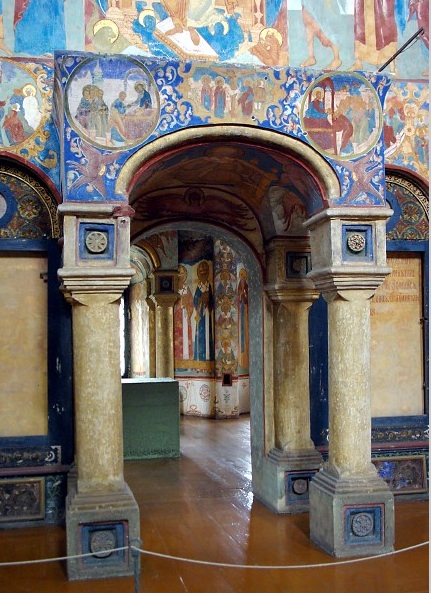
(201, 507)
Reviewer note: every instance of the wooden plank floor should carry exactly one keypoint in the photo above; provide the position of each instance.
(201, 507)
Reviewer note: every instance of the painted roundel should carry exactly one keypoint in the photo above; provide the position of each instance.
(112, 103)
(341, 115)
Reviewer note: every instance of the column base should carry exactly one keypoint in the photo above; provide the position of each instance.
(351, 516)
(293, 472)
(96, 523)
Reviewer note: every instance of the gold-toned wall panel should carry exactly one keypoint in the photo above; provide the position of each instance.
(23, 345)
(396, 340)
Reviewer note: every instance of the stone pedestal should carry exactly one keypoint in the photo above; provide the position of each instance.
(96, 523)
(351, 516)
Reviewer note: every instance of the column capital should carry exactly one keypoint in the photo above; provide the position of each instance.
(348, 248)
(96, 249)
(287, 258)
(295, 290)
(163, 299)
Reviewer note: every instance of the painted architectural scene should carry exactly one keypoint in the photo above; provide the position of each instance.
(217, 208)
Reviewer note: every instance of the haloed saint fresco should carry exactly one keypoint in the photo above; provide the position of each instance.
(21, 105)
(112, 104)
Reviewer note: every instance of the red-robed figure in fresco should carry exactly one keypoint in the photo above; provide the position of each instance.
(375, 31)
(183, 311)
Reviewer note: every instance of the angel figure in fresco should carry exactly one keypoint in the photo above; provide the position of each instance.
(362, 191)
(183, 311)
(90, 171)
(204, 306)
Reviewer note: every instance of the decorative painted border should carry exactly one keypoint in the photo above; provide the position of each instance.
(402, 480)
(22, 499)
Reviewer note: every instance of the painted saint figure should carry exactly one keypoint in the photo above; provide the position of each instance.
(115, 122)
(243, 319)
(204, 306)
(183, 312)
(13, 126)
(143, 101)
(84, 107)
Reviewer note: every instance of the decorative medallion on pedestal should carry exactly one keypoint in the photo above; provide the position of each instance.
(364, 525)
(96, 241)
(357, 243)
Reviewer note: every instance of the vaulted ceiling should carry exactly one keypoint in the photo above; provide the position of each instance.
(246, 187)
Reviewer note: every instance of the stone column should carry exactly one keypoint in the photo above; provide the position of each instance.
(137, 337)
(97, 389)
(351, 507)
(164, 296)
(292, 294)
(152, 335)
(164, 335)
(101, 512)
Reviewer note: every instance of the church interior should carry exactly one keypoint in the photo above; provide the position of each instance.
(214, 269)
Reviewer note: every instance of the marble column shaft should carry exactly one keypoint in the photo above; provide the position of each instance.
(98, 399)
(164, 325)
(349, 385)
(291, 376)
(137, 352)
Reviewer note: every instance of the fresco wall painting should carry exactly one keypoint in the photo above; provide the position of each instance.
(211, 329)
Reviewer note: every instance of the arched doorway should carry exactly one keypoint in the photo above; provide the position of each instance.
(279, 197)
(251, 190)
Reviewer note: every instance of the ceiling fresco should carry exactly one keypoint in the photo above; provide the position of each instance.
(255, 191)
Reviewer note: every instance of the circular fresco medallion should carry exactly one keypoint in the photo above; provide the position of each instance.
(341, 115)
(112, 103)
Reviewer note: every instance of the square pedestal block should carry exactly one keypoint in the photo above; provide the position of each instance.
(351, 518)
(97, 525)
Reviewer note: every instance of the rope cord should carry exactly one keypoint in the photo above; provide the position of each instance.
(282, 567)
(219, 564)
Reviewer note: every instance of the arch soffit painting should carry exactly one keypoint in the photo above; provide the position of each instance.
(28, 207)
(228, 174)
(408, 196)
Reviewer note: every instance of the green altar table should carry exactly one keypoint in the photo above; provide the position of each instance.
(151, 418)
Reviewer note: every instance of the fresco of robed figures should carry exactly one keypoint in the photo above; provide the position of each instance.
(320, 34)
(112, 103)
(23, 104)
(341, 115)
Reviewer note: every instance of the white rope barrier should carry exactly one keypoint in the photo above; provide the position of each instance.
(282, 567)
(220, 564)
